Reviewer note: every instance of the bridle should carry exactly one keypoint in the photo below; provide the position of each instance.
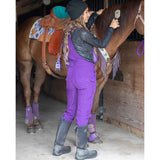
(142, 20)
(139, 15)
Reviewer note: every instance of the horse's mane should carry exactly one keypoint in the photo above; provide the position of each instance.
(103, 21)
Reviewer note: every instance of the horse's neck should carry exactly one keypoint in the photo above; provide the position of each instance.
(119, 37)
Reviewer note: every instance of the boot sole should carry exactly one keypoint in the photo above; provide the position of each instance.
(59, 154)
(86, 157)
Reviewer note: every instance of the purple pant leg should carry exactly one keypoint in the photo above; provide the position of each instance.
(70, 113)
(85, 102)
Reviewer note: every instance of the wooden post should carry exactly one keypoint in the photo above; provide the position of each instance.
(105, 3)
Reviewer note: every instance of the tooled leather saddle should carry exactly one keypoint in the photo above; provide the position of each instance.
(55, 42)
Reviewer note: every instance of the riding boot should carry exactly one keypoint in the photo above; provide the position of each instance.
(81, 141)
(61, 134)
(93, 137)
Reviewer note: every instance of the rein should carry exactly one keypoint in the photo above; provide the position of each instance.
(142, 20)
(44, 62)
(139, 15)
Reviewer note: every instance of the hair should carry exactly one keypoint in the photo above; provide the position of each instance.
(68, 27)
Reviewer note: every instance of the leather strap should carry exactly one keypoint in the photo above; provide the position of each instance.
(44, 63)
(139, 15)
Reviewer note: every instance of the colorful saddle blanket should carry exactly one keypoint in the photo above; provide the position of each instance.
(37, 32)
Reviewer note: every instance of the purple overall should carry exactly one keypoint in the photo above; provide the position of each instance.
(81, 86)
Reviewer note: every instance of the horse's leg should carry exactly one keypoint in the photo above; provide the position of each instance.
(99, 87)
(38, 81)
(93, 137)
(25, 75)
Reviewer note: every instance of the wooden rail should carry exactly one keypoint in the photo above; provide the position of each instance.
(25, 6)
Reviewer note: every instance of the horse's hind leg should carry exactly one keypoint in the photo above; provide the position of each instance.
(25, 75)
(38, 81)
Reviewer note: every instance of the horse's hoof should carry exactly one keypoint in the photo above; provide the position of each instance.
(96, 141)
(37, 124)
(30, 129)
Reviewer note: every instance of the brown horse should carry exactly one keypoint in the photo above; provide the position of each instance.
(30, 50)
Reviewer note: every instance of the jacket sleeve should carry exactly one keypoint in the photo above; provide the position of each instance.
(91, 20)
(92, 40)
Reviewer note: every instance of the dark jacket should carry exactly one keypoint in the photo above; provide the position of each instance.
(84, 41)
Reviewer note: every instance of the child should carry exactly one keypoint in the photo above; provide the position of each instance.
(81, 77)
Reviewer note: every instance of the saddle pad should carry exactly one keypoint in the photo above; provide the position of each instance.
(37, 32)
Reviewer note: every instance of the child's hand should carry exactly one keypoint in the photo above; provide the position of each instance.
(100, 11)
(114, 24)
